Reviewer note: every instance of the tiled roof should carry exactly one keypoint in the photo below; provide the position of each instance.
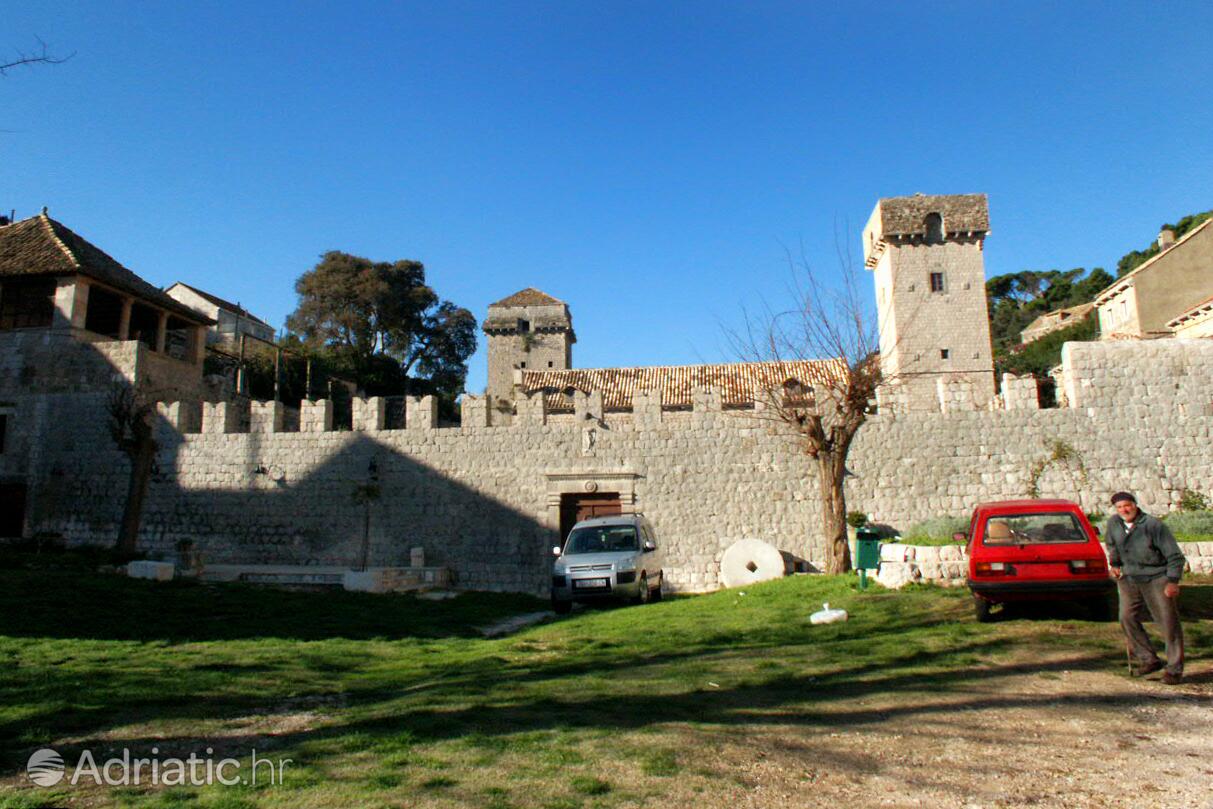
(227, 306)
(528, 297)
(1078, 312)
(738, 383)
(42, 246)
(906, 216)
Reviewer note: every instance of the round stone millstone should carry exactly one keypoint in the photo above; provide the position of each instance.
(747, 561)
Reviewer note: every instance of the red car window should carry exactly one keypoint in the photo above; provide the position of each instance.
(1033, 529)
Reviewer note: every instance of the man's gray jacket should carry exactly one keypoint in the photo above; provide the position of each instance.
(1146, 552)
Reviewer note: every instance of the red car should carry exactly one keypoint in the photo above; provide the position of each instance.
(1036, 550)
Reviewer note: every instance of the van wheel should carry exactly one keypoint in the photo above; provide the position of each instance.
(561, 607)
(645, 594)
(982, 609)
(656, 594)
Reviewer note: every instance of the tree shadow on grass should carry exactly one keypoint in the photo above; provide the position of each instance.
(826, 701)
(110, 607)
(222, 685)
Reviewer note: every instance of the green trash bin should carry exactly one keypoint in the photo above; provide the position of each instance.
(867, 553)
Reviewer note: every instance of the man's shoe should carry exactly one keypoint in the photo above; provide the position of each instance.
(1148, 668)
(1172, 679)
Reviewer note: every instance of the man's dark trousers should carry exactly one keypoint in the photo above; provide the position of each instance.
(1135, 599)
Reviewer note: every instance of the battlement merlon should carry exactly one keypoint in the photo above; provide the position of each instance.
(907, 219)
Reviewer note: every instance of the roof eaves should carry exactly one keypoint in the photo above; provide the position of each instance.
(1124, 280)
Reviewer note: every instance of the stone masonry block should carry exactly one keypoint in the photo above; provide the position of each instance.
(369, 414)
(316, 417)
(421, 412)
(646, 408)
(220, 417)
(266, 417)
(473, 411)
(587, 406)
(531, 409)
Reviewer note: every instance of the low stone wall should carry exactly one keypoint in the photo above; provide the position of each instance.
(948, 565)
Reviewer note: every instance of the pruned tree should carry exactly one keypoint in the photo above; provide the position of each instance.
(132, 428)
(831, 325)
(41, 56)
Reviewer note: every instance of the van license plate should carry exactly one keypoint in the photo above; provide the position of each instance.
(591, 584)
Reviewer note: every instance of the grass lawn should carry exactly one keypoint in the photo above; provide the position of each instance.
(392, 701)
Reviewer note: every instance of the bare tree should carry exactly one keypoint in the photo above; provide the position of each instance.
(42, 56)
(830, 325)
(131, 426)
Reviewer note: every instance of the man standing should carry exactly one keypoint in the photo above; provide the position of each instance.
(1147, 564)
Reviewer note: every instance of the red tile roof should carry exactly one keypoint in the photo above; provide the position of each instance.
(738, 383)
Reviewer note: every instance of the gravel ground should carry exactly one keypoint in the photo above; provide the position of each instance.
(1040, 736)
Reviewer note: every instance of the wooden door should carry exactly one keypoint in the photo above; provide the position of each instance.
(12, 509)
(577, 507)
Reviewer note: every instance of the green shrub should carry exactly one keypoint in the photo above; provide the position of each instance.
(1193, 501)
(857, 519)
(1190, 522)
(936, 528)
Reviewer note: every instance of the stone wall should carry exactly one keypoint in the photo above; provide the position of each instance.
(483, 501)
(255, 486)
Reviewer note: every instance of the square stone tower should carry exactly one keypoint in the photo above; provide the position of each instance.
(530, 330)
(926, 256)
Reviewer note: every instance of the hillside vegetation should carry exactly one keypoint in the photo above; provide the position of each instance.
(1016, 299)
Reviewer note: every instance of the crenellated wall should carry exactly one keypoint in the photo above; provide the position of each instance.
(260, 483)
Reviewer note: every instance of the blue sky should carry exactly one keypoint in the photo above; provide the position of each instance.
(648, 163)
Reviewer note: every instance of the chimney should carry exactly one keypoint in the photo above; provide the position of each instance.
(1166, 239)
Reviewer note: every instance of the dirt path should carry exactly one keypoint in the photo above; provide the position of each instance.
(1049, 737)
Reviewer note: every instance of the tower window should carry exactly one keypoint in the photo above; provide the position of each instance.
(524, 326)
(943, 353)
(937, 282)
(549, 363)
(933, 224)
(522, 365)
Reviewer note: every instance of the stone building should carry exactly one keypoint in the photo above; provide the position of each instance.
(72, 321)
(925, 253)
(1144, 302)
(1050, 322)
(231, 319)
(529, 330)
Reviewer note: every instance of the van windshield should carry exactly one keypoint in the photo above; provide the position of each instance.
(602, 539)
(1033, 529)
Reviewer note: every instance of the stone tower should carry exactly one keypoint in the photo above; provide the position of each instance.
(529, 330)
(926, 255)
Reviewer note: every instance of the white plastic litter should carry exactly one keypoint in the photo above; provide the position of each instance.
(827, 616)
